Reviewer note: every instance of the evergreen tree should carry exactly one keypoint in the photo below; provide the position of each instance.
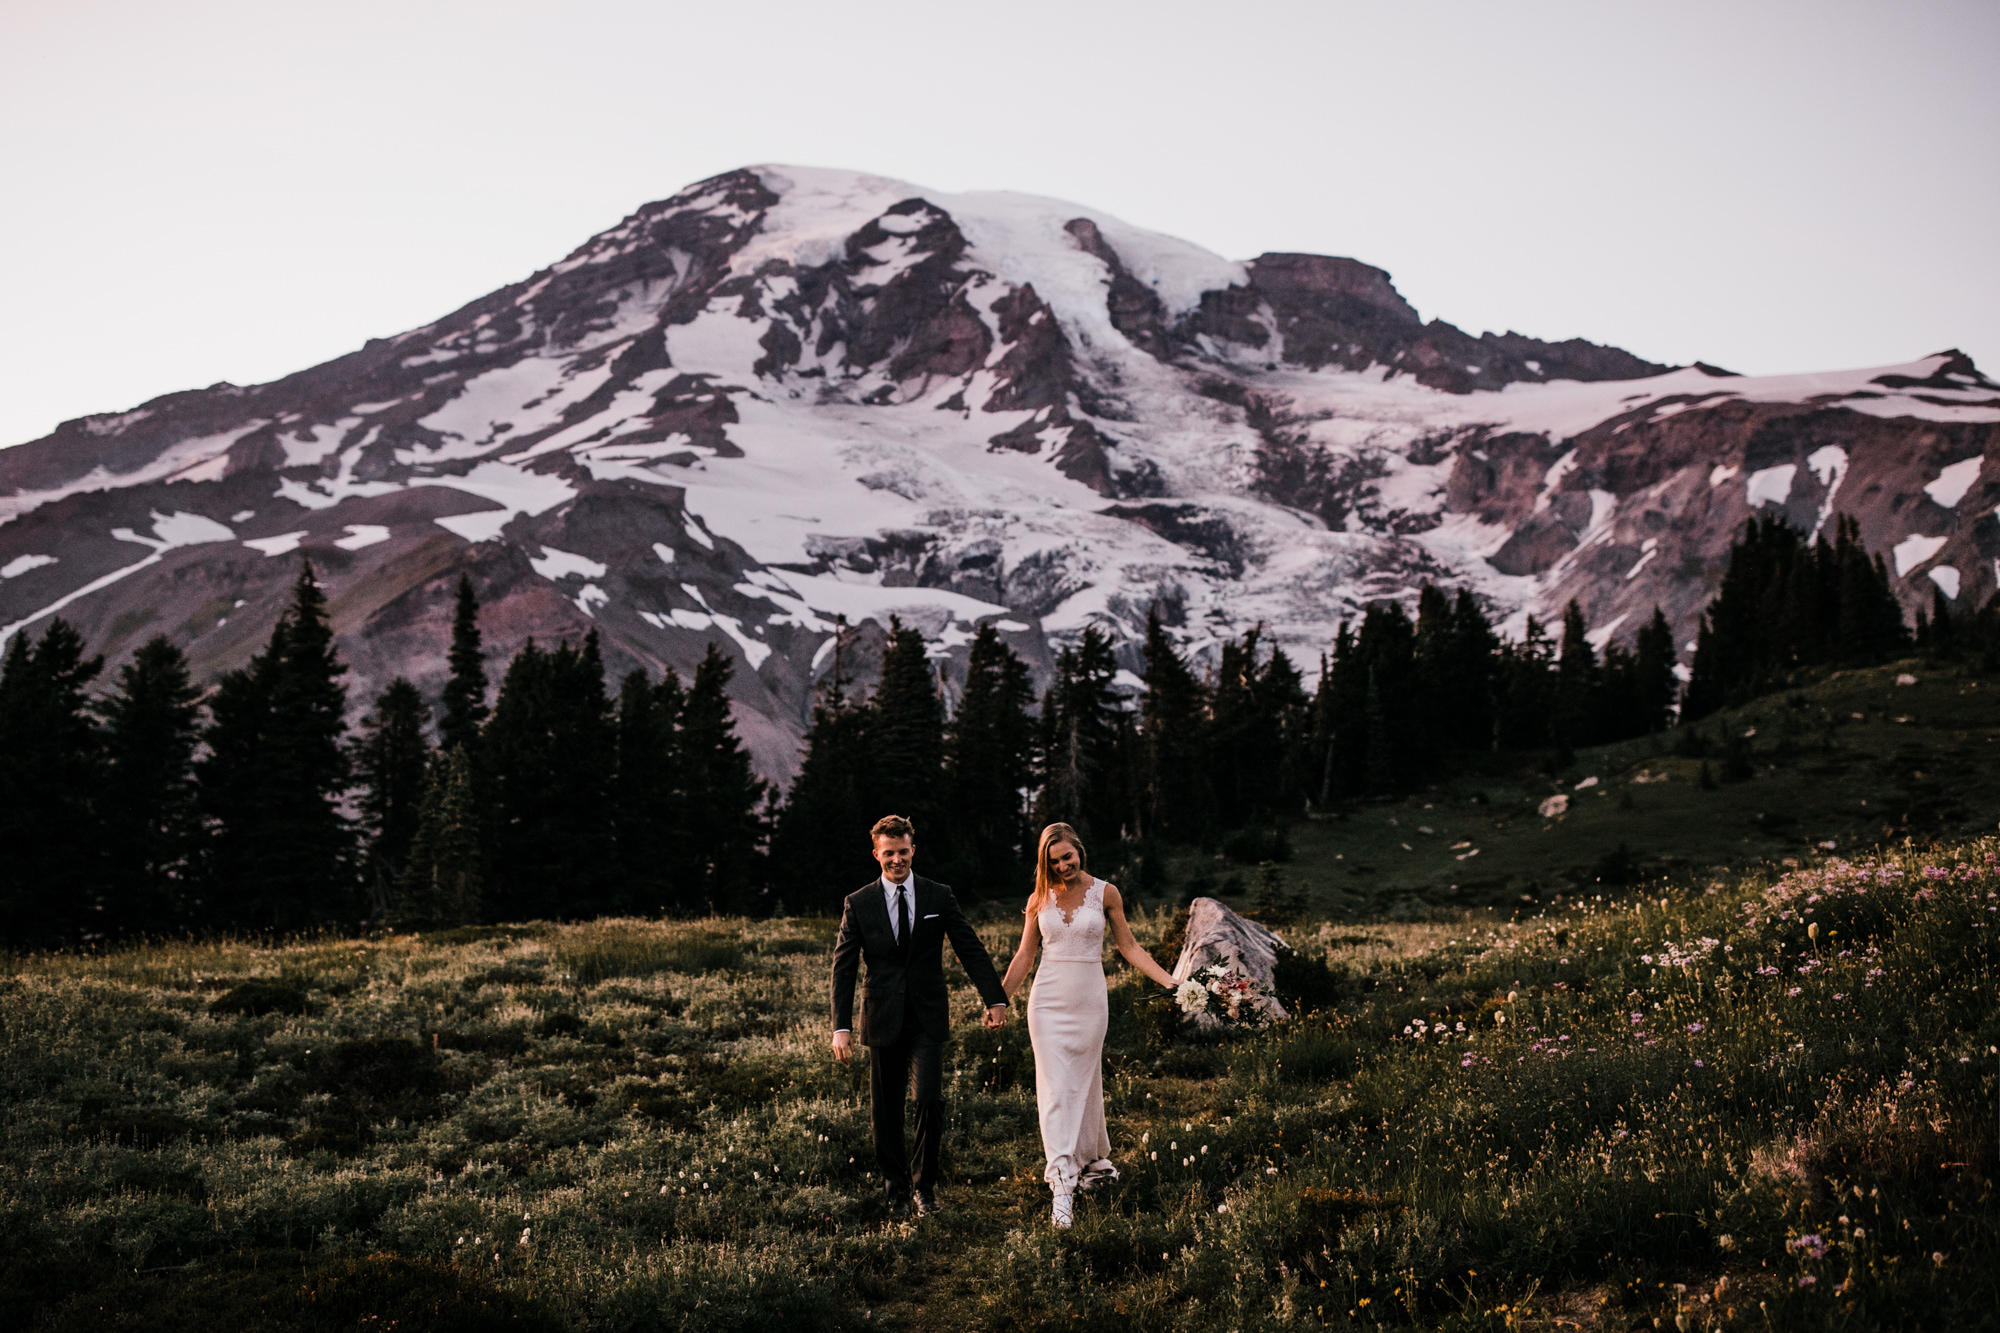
(442, 881)
(465, 689)
(1336, 706)
(549, 754)
(989, 763)
(1466, 675)
(1578, 686)
(1654, 682)
(152, 825)
(231, 788)
(1783, 605)
(1284, 731)
(1379, 743)
(1238, 737)
(649, 800)
(819, 838)
(725, 826)
(1526, 686)
(274, 776)
(1381, 740)
(1438, 723)
(51, 774)
(1082, 727)
(391, 760)
(1178, 797)
(1454, 662)
(1943, 634)
(907, 732)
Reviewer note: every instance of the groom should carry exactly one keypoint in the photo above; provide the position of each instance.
(899, 923)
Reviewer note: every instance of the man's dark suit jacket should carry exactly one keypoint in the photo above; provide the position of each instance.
(905, 986)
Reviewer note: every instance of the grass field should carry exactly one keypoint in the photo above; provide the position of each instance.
(1759, 1097)
(1855, 759)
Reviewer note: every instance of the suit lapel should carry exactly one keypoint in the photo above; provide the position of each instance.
(879, 911)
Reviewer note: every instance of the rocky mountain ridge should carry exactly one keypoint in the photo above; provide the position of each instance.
(789, 399)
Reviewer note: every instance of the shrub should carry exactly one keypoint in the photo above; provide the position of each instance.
(260, 996)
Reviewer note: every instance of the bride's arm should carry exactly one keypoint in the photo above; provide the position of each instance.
(1121, 934)
(1024, 957)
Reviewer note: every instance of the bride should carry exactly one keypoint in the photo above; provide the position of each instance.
(1067, 1010)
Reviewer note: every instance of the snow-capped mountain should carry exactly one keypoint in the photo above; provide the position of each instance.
(788, 396)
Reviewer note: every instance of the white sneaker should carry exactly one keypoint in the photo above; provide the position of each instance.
(1063, 1212)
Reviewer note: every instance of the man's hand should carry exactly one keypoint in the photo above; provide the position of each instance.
(843, 1046)
(996, 1016)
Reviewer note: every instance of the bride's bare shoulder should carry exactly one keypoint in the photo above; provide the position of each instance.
(1112, 901)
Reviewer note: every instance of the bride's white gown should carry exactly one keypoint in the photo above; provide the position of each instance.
(1067, 1014)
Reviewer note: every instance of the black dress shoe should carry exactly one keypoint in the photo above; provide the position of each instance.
(927, 1204)
(899, 1208)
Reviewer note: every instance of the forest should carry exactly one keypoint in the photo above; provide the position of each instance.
(156, 807)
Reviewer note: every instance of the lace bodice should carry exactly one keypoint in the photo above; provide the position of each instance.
(1081, 938)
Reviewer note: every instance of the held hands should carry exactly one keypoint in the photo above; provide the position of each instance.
(996, 1016)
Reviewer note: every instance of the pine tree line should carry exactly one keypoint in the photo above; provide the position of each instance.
(1784, 604)
(135, 814)
(960, 779)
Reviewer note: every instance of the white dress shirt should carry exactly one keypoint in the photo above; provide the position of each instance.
(890, 891)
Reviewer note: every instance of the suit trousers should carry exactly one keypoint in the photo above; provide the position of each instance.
(912, 1066)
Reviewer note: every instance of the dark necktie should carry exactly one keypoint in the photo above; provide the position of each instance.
(902, 914)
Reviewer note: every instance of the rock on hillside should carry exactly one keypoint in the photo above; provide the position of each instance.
(789, 398)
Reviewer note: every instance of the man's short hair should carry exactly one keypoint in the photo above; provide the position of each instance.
(892, 826)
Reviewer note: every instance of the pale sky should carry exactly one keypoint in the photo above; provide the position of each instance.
(201, 190)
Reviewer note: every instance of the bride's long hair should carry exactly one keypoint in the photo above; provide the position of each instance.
(1047, 886)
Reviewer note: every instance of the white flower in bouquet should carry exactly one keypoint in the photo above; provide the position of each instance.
(1191, 996)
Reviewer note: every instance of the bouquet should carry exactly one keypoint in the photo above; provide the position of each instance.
(1228, 999)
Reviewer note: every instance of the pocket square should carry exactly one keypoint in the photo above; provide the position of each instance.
(930, 916)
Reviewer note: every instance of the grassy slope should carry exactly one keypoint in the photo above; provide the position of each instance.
(634, 1125)
(1610, 1140)
(1920, 760)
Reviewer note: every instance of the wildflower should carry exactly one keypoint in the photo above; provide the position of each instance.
(1694, 1027)
(1793, 991)
(1807, 1280)
(1811, 1244)
(1698, 1065)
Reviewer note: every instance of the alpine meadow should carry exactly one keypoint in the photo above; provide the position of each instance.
(419, 867)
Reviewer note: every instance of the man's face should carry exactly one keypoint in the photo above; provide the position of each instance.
(894, 856)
